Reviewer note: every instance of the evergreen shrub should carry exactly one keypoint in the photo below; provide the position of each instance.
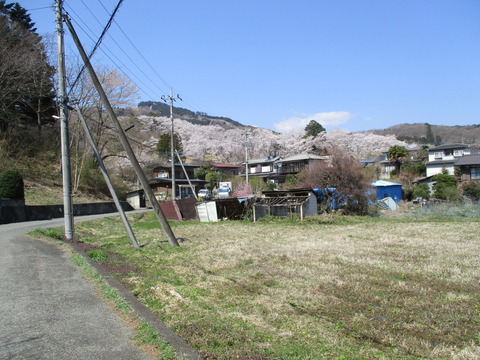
(11, 185)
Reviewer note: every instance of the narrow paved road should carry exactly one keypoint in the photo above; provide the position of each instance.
(47, 310)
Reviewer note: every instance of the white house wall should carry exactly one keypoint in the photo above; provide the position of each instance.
(450, 154)
(264, 169)
(440, 155)
(438, 169)
(386, 170)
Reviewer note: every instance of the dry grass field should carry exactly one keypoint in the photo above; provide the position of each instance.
(330, 287)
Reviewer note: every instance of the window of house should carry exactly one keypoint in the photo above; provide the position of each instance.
(439, 155)
(475, 173)
(448, 152)
(458, 153)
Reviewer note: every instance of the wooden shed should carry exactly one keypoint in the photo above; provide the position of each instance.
(302, 202)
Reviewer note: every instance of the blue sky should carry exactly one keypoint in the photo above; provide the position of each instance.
(351, 64)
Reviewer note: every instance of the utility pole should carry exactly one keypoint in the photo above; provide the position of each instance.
(188, 178)
(246, 133)
(128, 228)
(62, 104)
(172, 138)
(123, 139)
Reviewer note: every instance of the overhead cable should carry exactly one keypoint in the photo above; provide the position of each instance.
(99, 41)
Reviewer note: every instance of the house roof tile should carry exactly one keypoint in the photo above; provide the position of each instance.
(226, 165)
(449, 146)
(270, 159)
(468, 160)
(304, 157)
(440, 162)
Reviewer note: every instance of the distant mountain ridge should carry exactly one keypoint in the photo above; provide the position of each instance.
(433, 134)
(417, 133)
(194, 117)
(200, 134)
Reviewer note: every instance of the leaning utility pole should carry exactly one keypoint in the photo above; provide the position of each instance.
(128, 228)
(185, 172)
(172, 138)
(62, 104)
(123, 138)
(246, 133)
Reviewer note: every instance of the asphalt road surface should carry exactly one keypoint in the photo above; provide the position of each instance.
(47, 310)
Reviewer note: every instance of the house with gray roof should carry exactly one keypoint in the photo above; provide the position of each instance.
(443, 157)
(276, 169)
(295, 164)
(263, 167)
(469, 167)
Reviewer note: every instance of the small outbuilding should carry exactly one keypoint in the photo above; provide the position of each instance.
(386, 189)
(301, 202)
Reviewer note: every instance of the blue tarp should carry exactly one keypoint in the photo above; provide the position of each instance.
(336, 199)
(388, 189)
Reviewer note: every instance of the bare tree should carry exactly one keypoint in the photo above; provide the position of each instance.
(121, 93)
(341, 177)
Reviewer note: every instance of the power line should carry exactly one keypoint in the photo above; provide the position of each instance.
(92, 13)
(134, 63)
(118, 60)
(138, 52)
(145, 59)
(100, 39)
(126, 70)
(41, 8)
(141, 55)
(72, 86)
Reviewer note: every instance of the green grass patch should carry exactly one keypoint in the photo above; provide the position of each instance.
(330, 287)
(97, 255)
(53, 233)
(87, 270)
(111, 294)
(146, 334)
(106, 290)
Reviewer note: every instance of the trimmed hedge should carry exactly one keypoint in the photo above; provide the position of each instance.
(11, 185)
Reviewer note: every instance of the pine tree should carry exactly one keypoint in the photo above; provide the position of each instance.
(26, 78)
(313, 129)
(429, 138)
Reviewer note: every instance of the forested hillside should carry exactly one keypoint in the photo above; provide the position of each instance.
(433, 134)
(28, 132)
(201, 143)
(155, 108)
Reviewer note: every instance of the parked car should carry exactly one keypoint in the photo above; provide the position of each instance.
(204, 194)
(223, 193)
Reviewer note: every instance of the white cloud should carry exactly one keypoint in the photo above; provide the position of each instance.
(326, 119)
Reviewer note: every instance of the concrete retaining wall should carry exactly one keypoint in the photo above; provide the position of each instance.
(11, 212)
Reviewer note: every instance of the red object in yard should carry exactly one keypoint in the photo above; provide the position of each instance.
(183, 209)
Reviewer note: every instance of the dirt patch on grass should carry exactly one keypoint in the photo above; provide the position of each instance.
(113, 263)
